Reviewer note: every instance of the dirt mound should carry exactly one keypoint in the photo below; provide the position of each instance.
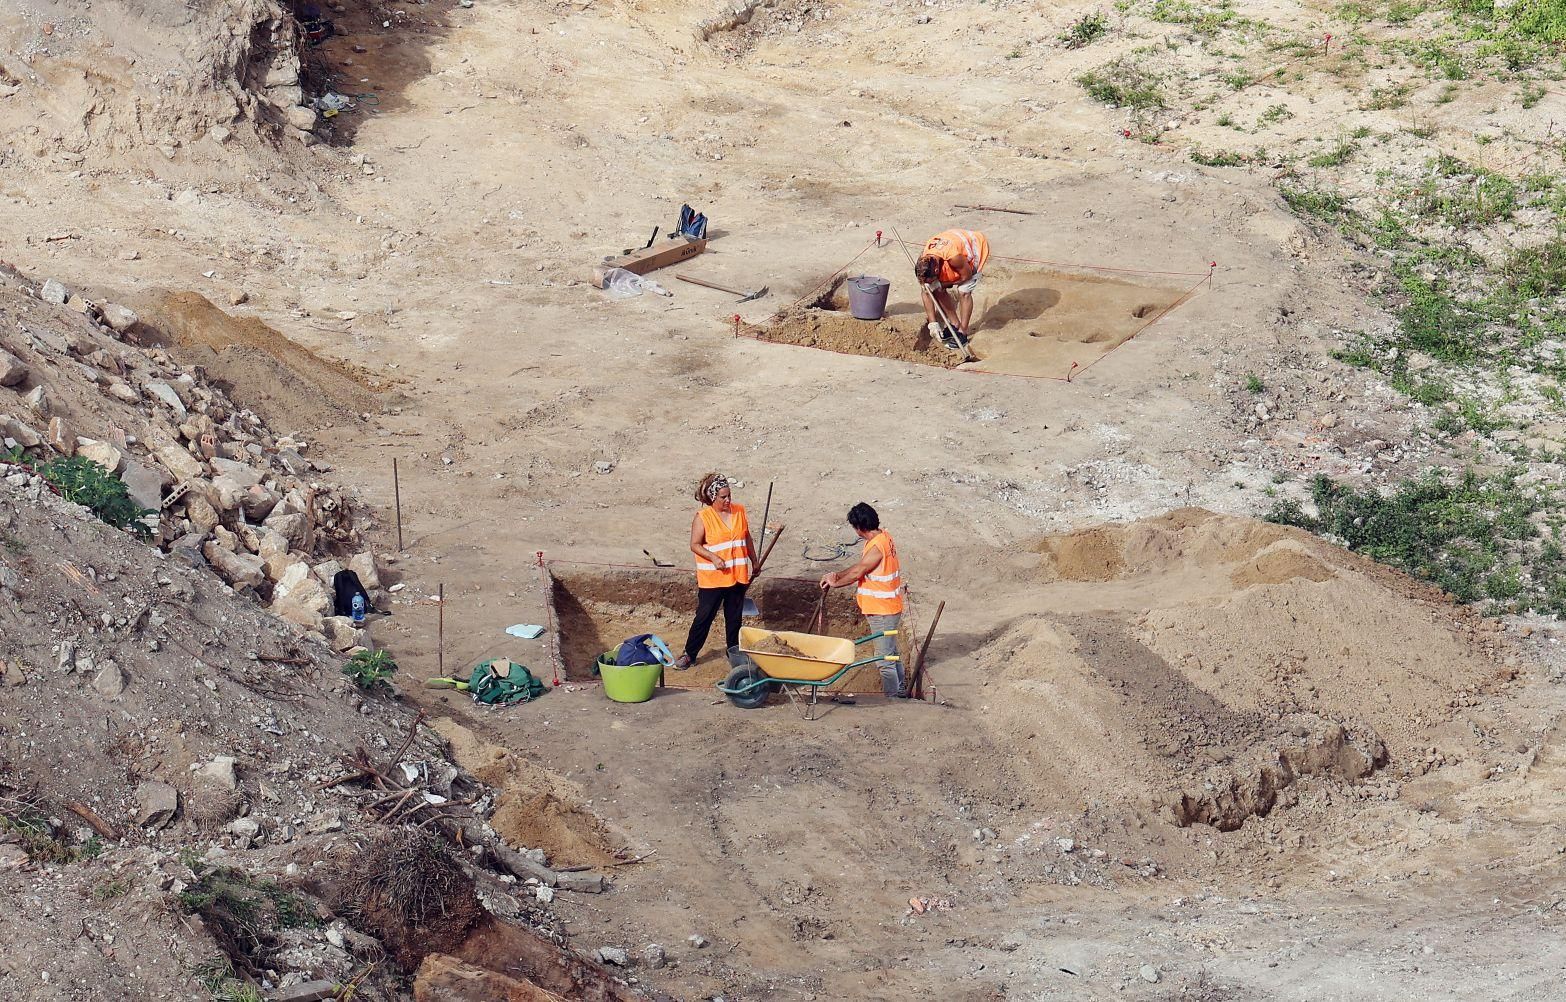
(535, 808)
(285, 383)
(1210, 639)
(901, 338)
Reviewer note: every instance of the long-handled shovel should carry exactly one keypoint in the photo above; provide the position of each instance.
(750, 609)
(744, 297)
(946, 324)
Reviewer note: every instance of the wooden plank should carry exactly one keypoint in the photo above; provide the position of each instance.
(659, 255)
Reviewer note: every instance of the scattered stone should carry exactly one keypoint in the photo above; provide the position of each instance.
(341, 634)
(110, 681)
(12, 371)
(12, 856)
(144, 484)
(544, 893)
(696, 940)
(19, 432)
(365, 565)
(37, 400)
(1150, 974)
(102, 453)
(164, 394)
(613, 955)
(54, 292)
(603, 466)
(653, 956)
(219, 772)
(11, 673)
(61, 437)
(243, 571)
(1329, 420)
(156, 804)
(120, 390)
(119, 318)
(178, 461)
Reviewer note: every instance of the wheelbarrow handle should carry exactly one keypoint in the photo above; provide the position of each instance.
(870, 661)
(875, 636)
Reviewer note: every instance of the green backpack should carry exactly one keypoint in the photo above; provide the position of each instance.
(500, 681)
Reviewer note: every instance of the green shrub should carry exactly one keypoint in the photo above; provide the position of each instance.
(1123, 83)
(370, 669)
(1460, 534)
(1084, 30)
(90, 485)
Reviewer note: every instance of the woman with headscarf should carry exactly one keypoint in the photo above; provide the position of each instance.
(725, 555)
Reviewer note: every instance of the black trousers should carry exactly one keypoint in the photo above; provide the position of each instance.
(732, 599)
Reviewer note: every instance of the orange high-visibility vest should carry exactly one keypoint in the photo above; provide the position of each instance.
(963, 254)
(880, 592)
(727, 543)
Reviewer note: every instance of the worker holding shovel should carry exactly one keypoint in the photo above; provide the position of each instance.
(879, 580)
(725, 554)
(948, 271)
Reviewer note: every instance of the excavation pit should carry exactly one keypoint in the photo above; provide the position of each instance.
(1026, 322)
(596, 608)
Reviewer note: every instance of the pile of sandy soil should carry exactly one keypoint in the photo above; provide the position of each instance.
(902, 338)
(1195, 650)
(260, 368)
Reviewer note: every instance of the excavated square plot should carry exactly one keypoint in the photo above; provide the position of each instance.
(596, 608)
(1026, 322)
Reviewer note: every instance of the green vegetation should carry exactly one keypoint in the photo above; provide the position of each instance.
(1124, 83)
(1323, 205)
(40, 841)
(1085, 30)
(1335, 157)
(370, 669)
(243, 915)
(223, 983)
(1274, 113)
(1472, 535)
(111, 889)
(1220, 158)
(90, 485)
(1253, 383)
(1204, 18)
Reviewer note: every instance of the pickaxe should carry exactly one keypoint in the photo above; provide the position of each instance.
(744, 297)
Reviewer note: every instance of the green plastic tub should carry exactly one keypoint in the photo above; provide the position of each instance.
(628, 683)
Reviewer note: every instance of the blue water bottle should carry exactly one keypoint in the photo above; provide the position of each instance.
(358, 609)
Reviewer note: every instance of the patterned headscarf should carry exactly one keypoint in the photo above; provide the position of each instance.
(715, 485)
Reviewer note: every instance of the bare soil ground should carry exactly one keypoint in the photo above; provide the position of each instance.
(1182, 754)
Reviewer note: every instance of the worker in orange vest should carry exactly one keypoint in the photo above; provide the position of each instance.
(725, 554)
(948, 271)
(879, 589)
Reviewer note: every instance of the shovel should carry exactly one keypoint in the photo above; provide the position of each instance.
(750, 609)
(744, 297)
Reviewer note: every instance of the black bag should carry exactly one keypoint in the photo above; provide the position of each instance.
(345, 585)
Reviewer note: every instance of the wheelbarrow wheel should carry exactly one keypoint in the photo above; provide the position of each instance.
(744, 676)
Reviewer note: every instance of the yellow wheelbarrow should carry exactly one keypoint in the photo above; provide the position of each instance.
(820, 662)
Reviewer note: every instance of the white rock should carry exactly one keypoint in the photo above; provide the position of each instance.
(219, 772)
(54, 292)
(119, 318)
(102, 453)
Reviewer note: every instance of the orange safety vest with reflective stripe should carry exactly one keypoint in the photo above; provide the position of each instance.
(880, 592)
(727, 543)
(963, 254)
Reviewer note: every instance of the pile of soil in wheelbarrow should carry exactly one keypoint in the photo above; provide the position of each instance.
(775, 644)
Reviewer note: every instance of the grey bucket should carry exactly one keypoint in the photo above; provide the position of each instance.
(867, 296)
